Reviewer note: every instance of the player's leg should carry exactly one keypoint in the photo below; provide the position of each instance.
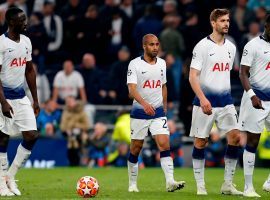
(249, 162)
(159, 129)
(163, 144)
(227, 123)
(139, 130)
(4, 191)
(24, 121)
(23, 152)
(251, 122)
(200, 128)
(266, 185)
(133, 167)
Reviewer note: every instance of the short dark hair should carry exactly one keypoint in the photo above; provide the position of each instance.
(11, 13)
(267, 19)
(216, 13)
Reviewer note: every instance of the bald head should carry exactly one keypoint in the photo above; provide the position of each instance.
(148, 37)
(150, 45)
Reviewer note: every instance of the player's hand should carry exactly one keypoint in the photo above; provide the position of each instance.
(36, 108)
(206, 106)
(256, 102)
(148, 109)
(7, 110)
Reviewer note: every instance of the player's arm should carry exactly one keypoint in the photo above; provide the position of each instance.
(30, 76)
(244, 74)
(195, 84)
(6, 108)
(164, 95)
(133, 93)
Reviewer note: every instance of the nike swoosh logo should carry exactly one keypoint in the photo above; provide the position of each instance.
(211, 54)
(143, 72)
(10, 50)
(265, 52)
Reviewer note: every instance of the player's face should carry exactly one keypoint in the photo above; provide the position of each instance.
(20, 23)
(151, 47)
(222, 24)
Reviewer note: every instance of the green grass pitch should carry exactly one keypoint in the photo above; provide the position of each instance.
(60, 183)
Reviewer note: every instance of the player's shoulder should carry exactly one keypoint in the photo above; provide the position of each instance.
(253, 42)
(161, 61)
(25, 38)
(230, 44)
(203, 44)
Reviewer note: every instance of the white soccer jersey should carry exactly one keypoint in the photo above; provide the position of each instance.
(214, 63)
(256, 55)
(13, 58)
(149, 79)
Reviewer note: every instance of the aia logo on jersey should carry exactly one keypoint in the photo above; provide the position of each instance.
(152, 84)
(18, 62)
(268, 66)
(220, 67)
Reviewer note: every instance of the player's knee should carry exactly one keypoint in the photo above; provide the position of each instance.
(201, 143)
(3, 139)
(135, 150)
(30, 135)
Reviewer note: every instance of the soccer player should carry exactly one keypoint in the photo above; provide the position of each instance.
(212, 61)
(17, 115)
(255, 103)
(146, 79)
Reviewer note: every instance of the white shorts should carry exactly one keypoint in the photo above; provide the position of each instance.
(23, 118)
(140, 127)
(251, 119)
(225, 119)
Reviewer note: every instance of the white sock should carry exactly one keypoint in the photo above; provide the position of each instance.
(198, 169)
(3, 164)
(21, 156)
(230, 165)
(132, 173)
(167, 167)
(249, 162)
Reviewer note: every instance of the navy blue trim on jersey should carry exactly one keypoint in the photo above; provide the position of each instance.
(6, 34)
(14, 93)
(209, 38)
(264, 95)
(142, 58)
(140, 114)
(216, 100)
(263, 38)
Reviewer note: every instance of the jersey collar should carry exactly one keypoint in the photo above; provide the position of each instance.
(209, 38)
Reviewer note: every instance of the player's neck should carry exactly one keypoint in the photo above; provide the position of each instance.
(13, 36)
(217, 38)
(266, 38)
(149, 59)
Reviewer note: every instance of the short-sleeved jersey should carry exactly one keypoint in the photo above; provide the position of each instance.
(13, 58)
(214, 63)
(149, 79)
(256, 55)
(68, 85)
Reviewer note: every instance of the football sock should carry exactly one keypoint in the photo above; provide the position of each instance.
(231, 156)
(198, 165)
(132, 169)
(166, 163)
(249, 161)
(3, 164)
(21, 156)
